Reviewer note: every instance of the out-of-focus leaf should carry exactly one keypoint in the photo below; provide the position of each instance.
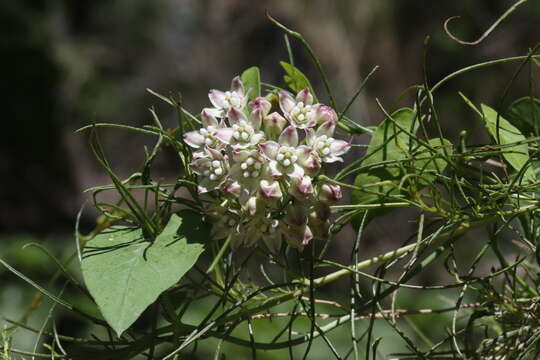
(125, 274)
(505, 133)
(429, 164)
(251, 78)
(524, 113)
(296, 80)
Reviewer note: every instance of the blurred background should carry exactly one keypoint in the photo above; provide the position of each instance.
(65, 64)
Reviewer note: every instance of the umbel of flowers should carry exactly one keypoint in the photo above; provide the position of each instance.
(260, 165)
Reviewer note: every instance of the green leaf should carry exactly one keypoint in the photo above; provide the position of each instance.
(429, 164)
(296, 80)
(505, 133)
(251, 78)
(389, 142)
(524, 113)
(125, 274)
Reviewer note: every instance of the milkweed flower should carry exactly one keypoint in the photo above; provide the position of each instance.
(260, 163)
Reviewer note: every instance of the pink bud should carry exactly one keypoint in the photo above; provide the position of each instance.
(330, 193)
(301, 187)
(270, 190)
(305, 96)
(232, 189)
(274, 124)
(325, 113)
(260, 104)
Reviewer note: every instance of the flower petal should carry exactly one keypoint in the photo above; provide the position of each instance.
(194, 139)
(325, 113)
(208, 117)
(286, 102)
(235, 116)
(224, 134)
(269, 149)
(217, 98)
(289, 137)
(237, 86)
(327, 128)
(305, 96)
(339, 147)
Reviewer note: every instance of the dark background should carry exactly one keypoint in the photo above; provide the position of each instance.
(65, 64)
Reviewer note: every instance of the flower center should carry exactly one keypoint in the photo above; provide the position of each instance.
(286, 156)
(251, 167)
(242, 132)
(215, 169)
(209, 139)
(323, 145)
(233, 99)
(302, 113)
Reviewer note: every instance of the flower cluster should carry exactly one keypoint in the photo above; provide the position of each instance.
(263, 164)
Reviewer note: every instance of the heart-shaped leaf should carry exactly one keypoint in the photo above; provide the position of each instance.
(251, 79)
(125, 274)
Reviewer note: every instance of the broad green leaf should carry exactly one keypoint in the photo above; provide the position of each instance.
(505, 133)
(524, 113)
(251, 78)
(429, 164)
(125, 274)
(295, 79)
(389, 142)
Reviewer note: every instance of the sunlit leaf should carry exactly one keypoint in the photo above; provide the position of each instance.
(125, 273)
(251, 78)
(296, 80)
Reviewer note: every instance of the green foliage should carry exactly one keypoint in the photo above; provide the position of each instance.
(125, 273)
(251, 78)
(524, 113)
(295, 79)
(505, 133)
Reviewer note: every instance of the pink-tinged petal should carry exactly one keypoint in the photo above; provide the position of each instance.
(224, 134)
(309, 161)
(255, 119)
(240, 155)
(208, 118)
(303, 152)
(257, 138)
(327, 128)
(332, 159)
(339, 147)
(217, 98)
(236, 116)
(301, 187)
(269, 149)
(194, 139)
(214, 112)
(273, 169)
(310, 137)
(260, 104)
(251, 206)
(214, 154)
(289, 137)
(237, 86)
(305, 96)
(231, 188)
(286, 102)
(270, 190)
(307, 236)
(325, 113)
(330, 193)
(296, 171)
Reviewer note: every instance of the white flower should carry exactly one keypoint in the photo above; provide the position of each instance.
(212, 167)
(265, 228)
(286, 157)
(245, 132)
(300, 111)
(249, 167)
(233, 99)
(301, 187)
(213, 134)
(324, 145)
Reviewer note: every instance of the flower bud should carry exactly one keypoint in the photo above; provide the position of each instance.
(232, 189)
(330, 193)
(260, 106)
(299, 237)
(270, 190)
(274, 124)
(301, 187)
(325, 113)
(305, 96)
